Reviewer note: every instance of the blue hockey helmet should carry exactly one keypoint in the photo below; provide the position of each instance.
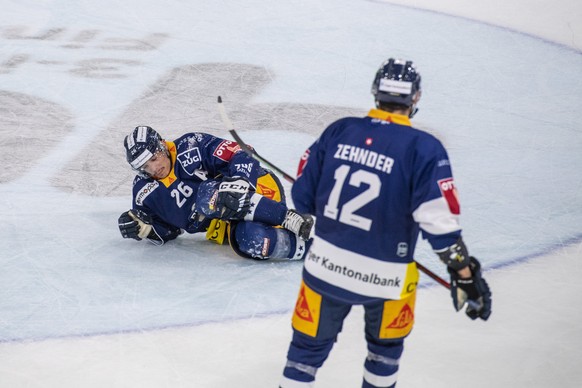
(140, 146)
(397, 81)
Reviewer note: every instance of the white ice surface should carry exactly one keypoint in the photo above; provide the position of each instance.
(79, 306)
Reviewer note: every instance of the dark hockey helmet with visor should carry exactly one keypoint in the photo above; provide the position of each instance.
(140, 146)
(397, 81)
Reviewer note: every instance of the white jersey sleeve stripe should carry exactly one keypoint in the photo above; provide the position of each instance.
(435, 217)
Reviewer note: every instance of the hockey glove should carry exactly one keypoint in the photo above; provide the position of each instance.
(233, 199)
(472, 291)
(135, 224)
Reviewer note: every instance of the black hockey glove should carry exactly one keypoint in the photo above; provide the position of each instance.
(473, 291)
(233, 198)
(135, 224)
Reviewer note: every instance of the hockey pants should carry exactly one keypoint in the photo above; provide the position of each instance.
(318, 320)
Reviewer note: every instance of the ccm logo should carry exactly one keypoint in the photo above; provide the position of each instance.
(234, 187)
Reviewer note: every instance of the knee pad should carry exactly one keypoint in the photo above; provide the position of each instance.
(261, 241)
(255, 239)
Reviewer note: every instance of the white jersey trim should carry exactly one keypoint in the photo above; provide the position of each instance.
(435, 217)
(358, 273)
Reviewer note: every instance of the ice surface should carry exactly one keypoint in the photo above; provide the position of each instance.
(76, 76)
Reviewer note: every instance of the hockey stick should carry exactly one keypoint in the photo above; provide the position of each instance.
(245, 147)
(433, 276)
(251, 151)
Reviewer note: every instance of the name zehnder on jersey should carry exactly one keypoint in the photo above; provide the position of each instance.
(372, 278)
(363, 156)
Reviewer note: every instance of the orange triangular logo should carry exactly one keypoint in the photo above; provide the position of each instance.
(302, 308)
(404, 318)
(266, 191)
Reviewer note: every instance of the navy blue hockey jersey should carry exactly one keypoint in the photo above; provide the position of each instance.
(195, 158)
(374, 183)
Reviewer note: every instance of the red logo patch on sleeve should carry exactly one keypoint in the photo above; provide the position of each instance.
(449, 192)
(302, 163)
(226, 149)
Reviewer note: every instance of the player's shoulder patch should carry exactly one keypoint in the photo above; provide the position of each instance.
(303, 162)
(449, 192)
(145, 191)
(226, 149)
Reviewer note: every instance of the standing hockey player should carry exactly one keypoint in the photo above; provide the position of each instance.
(201, 183)
(373, 183)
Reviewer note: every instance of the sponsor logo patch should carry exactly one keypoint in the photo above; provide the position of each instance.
(302, 307)
(145, 191)
(394, 86)
(307, 311)
(402, 250)
(189, 158)
(405, 317)
(265, 250)
(212, 202)
(226, 149)
(443, 163)
(398, 317)
(303, 162)
(449, 192)
(265, 191)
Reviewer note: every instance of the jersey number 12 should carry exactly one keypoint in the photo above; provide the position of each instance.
(346, 212)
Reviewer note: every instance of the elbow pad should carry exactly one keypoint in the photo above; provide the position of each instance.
(456, 256)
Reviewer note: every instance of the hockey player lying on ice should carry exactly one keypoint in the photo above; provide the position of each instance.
(201, 183)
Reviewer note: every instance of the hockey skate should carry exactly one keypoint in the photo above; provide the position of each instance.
(300, 224)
